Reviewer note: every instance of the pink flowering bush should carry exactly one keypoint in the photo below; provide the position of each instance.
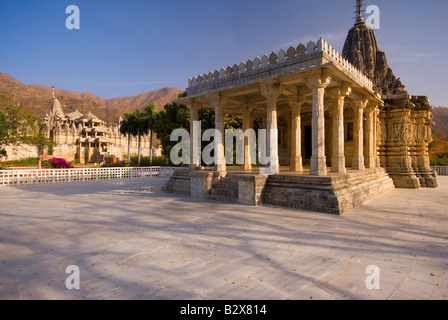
(60, 163)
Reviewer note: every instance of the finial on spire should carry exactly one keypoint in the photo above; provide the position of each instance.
(54, 97)
(359, 17)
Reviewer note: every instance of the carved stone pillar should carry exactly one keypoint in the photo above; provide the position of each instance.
(422, 136)
(220, 160)
(271, 91)
(358, 143)
(338, 155)
(317, 84)
(296, 137)
(395, 142)
(370, 148)
(417, 141)
(377, 134)
(195, 160)
(246, 126)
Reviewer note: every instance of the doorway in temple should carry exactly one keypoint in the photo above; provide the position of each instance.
(308, 142)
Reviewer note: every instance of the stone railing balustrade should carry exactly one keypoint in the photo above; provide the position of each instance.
(440, 170)
(281, 57)
(324, 46)
(48, 176)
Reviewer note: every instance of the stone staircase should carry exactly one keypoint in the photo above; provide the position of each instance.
(225, 190)
(179, 182)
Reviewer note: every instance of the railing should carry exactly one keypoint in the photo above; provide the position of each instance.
(441, 171)
(46, 176)
(277, 60)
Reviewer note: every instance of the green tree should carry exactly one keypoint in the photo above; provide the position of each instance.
(176, 116)
(125, 129)
(139, 127)
(207, 118)
(17, 126)
(4, 141)
(173, 116)
(41, 142)
(151, 116)
(233, 121)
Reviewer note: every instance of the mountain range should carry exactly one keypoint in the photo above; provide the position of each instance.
(38, 99)
(440, 116)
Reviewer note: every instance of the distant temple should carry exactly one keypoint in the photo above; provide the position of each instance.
(86, 138)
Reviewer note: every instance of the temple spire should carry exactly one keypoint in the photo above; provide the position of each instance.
(56, 108)
(359, 17)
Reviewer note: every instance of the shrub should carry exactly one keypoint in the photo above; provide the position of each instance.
(60, 163)
(439, 160)
(144, 161)
(115, 165)
(30, 161)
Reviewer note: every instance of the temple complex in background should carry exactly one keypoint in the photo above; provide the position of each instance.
(84, 138)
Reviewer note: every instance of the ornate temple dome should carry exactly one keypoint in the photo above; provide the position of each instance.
(90, 117)
(74, 115)
(362, 50)
(56, 109)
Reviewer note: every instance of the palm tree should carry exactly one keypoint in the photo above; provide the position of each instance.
(125, 129)
(151, 116)
(140, 127)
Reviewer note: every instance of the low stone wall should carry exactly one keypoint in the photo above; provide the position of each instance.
(20, 152)
(180, 182)
(354, 190)
(301, 192)
(334, 194)
(202, 182)
(250, 188)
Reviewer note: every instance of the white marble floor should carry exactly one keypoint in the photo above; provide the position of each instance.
(130, 240)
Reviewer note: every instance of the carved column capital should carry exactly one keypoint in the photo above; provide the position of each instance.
(372, 106)
(318, 80)
(215, 100)
(192, 105)
(270, 89)
(295, 103)
(339, 93)
(360, 103)
(247, 110)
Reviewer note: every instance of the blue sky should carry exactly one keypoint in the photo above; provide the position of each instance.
(129, 47)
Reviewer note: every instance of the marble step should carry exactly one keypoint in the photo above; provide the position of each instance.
(224, 192)
(221, 198)
(226, 183)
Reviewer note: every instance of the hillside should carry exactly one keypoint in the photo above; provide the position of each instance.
(441, 119)
(438, 151)
(38, 99)
(159, 98)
